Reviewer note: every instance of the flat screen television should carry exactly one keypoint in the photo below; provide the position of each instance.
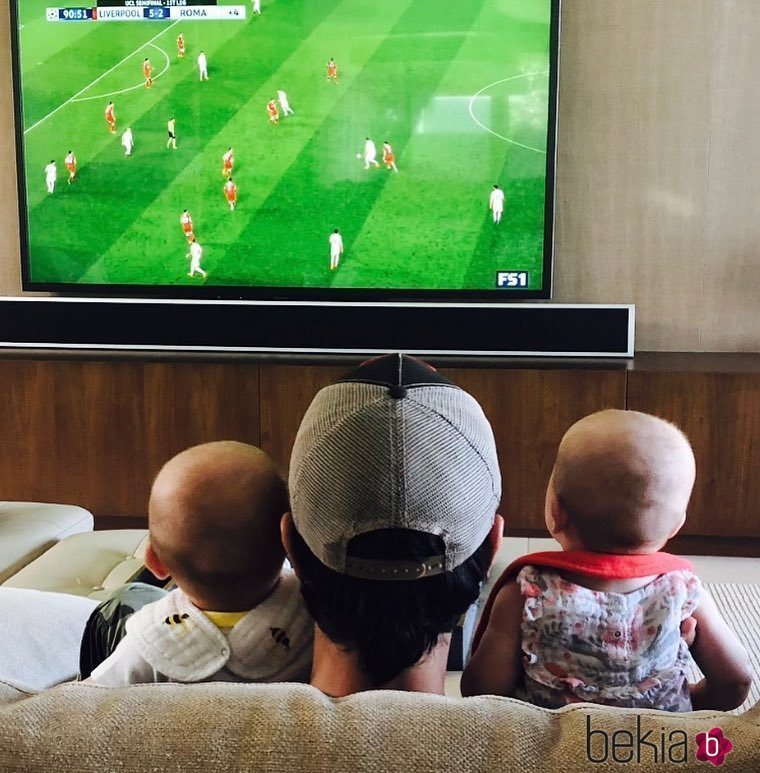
(348, 150)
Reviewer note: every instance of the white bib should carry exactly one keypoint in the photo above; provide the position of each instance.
(273, 642)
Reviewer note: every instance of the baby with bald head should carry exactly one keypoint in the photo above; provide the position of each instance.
(214, 521)
(236, 613)
(621, 483)
(600, 621)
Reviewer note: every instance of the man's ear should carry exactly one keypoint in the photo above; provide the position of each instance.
(287, 532)
(496, 535)
(153, 562)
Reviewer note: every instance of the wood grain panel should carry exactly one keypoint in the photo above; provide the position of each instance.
(530, 410)
(286, 391)
(95, 433)
(720, 413)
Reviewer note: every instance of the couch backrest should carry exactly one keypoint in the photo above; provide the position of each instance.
(233, 727)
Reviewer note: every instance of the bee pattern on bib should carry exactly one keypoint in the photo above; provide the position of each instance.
(176, 619)
(280, 637)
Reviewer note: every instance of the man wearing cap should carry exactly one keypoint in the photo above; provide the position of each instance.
(394, 484)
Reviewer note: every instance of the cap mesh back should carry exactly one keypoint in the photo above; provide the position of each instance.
(364, 461)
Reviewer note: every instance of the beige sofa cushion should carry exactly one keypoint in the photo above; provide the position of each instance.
(10, 692)
(28, 529)
(233, 727)
(86, 564)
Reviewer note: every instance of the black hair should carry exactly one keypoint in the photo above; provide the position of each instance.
(390, 625)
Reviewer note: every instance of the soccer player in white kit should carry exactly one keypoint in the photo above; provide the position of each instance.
(51, 175)
(336, 249)
(127, 141)
(202, 66)
(370, 154)
(496, 203)
(171, 126)
(196, 251)
(257, 7)
(282, 98)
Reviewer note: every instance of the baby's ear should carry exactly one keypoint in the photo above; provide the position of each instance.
(153, 562)
(555, 515)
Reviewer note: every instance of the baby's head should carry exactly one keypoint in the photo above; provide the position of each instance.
(620, 484)
(214, 522)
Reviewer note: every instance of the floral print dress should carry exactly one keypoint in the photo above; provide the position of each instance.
(618, 649)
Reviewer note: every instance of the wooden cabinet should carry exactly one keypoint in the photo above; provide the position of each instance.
(96, 433)
(720, 413)
(95, 430)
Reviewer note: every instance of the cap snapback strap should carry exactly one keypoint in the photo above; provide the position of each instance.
(374, 569)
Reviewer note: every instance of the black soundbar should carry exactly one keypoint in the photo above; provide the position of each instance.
(541, 330)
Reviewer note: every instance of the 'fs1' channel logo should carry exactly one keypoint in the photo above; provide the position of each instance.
(512, 280)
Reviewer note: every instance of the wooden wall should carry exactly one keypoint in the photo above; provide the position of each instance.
(658, 167)
(95, 432)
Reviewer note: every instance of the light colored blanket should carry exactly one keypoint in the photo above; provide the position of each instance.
(40, 634)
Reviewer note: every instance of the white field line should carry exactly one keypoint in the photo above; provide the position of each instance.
(99, 78)
(490, 131)
(130, 88)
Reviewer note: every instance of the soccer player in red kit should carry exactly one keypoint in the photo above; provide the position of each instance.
(274, 115)
(111, 118)
(332, 70)
(71, 165)
(227, 161)
(180, 46)
(187, 225)
(389, 159)
(230, 193)
(147, 70)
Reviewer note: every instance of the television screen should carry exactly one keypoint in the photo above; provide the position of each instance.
(288, 149)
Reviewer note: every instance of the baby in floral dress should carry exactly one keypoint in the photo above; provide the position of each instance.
(600, 621)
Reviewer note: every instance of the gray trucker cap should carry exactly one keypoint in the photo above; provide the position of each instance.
(394, 445)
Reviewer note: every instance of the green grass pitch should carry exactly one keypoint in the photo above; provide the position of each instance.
(460, 94)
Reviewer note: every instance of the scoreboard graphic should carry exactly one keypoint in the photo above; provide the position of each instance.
(148, 10)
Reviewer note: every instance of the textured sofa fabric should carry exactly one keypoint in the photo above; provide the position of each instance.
(11, 692)
(228, 727)
(232, 727)
(28, 529)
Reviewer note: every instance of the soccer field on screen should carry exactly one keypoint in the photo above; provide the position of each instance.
(461, 95)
